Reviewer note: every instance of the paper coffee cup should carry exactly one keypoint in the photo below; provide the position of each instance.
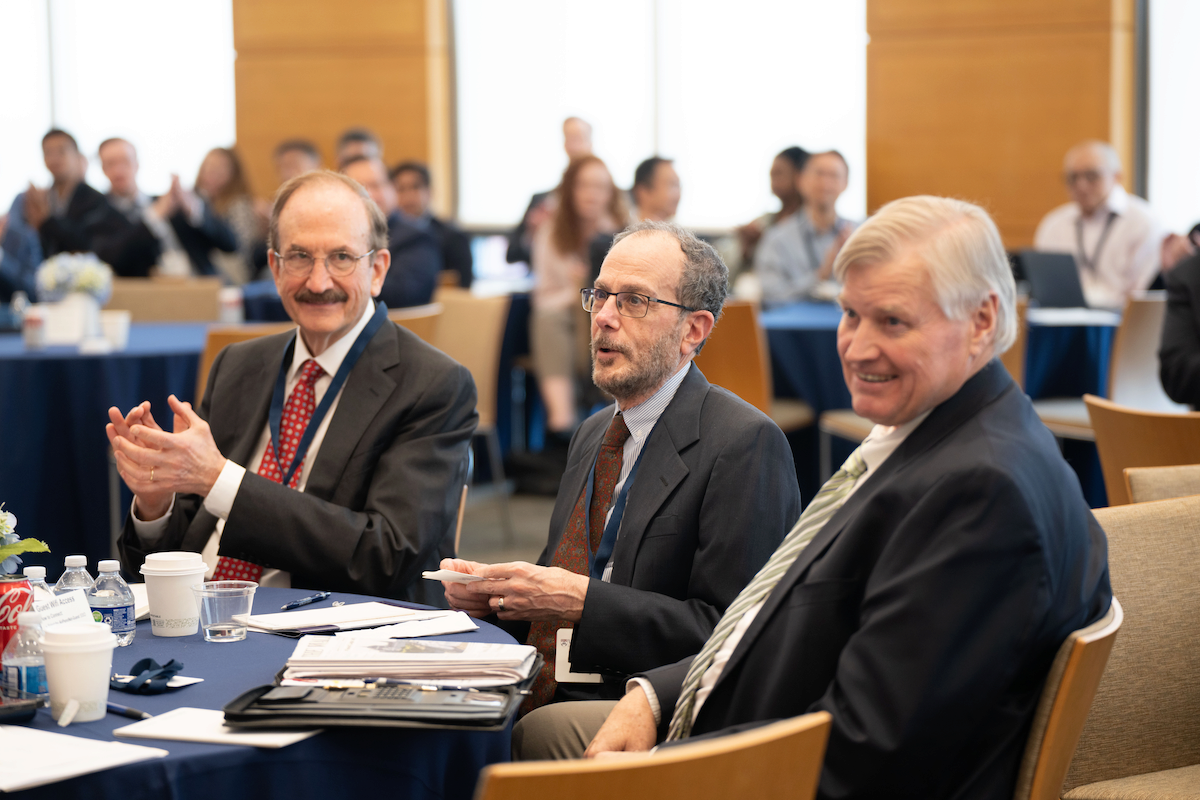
(170, 577)
(78, 666)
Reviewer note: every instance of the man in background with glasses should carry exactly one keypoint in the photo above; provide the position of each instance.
(671, 501)
(1113, 235)
(331, 457)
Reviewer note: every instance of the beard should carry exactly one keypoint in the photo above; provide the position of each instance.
(639, 378)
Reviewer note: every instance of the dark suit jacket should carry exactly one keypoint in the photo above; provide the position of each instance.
(416, 263)
(925, 614)
(381, 499)
(456, 250)
(88, 221)
(133, 249)
(1179, 356)
(714, 495)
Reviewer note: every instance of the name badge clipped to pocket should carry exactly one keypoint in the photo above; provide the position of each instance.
(562, 661)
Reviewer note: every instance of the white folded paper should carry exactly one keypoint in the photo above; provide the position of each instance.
(207, 725)
(445, 622)
(342, 618)
(450, 576)
(35, 757)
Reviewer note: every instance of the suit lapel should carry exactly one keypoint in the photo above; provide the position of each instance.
(660, 471)
(367, 388)
(981, 389)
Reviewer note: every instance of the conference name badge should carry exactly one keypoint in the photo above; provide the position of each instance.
(562, 661)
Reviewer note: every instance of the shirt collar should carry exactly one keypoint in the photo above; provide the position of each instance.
(883, 440)
(331, 360)
(641, 419)
(1116, 203)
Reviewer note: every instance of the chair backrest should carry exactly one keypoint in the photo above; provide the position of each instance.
(471, 331)
(735, 355)
(1133, 371)
(1146, 714)
(168, 299)
(421, 320)
(1013, 359)
(1063, 708)
(783, 759)
(1129, 437)
(220, 338)
(1146, 484)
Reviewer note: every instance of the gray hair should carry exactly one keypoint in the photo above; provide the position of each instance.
(378, 223)
(958, 243)
(704, 284)
(1111, 159)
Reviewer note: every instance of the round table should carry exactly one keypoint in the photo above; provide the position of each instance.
(340, 762)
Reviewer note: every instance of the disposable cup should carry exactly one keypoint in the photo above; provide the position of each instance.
(224, 606)
(170, 577)
(115, 326)
(78, 666)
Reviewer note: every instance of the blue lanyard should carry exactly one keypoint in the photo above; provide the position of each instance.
(276, 416)
(599, 560)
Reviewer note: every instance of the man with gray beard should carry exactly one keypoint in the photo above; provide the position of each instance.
(672, 499)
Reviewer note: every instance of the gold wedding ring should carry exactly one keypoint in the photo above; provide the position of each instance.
(500, 605)
(152, 474)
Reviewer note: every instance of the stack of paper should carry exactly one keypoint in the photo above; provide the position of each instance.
(342, 618)
(438, 663)
(34, 757)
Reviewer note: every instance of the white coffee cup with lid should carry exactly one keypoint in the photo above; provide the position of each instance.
(170, 577)
(78, 666)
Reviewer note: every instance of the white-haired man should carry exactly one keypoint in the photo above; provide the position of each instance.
(922, 595)
(1114, 236)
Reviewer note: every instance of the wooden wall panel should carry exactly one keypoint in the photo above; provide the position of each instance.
(980, 99)
(310, 69)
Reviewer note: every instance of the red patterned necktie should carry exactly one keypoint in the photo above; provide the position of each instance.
(579, 539)
(297, 411)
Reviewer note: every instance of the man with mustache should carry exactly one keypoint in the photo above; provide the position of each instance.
(672, 499)
(330, 457)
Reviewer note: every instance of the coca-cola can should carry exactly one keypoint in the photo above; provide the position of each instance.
(16, 595)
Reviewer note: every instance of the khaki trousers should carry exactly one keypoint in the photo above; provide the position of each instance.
(559, 730)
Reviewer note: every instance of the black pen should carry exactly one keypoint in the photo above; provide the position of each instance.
(303, 601)
(126, 711)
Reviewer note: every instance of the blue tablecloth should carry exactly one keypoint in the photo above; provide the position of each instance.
(803, 341)
(341, 762)
(53, 408)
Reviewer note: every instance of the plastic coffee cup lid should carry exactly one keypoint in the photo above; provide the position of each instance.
(78, 633)
(172, 563)
(75, 561)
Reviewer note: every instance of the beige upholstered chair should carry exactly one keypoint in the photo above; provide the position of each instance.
(1063, 708)
(1142, 737)
(778, 760)
(168, 299)
(220, 338)
(736, 358)
(421, 320)
(1162, 483)
(1129, 437)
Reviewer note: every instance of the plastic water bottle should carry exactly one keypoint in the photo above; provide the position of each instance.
(37, 581)
(76, 576)
(111, 600)
(24, 665)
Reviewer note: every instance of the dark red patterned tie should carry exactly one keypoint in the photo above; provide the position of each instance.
(297, 411)
(572, 553)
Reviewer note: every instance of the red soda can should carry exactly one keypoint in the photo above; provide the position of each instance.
(16, 595)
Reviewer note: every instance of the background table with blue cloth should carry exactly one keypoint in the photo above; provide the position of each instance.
(1060, 361)
(340, 762)
(53, 408)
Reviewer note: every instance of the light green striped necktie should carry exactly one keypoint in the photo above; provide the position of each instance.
(831, 497)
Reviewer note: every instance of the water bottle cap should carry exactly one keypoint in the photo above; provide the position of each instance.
(76, 561)
(36, 573)
(29, 618)
(110, 565)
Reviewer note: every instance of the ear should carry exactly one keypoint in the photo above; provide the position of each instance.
(983, 326)
(379, 269)
(696, 328)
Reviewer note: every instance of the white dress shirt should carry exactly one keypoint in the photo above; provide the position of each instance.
(1129, 256)
(220, 499)
(880, 443)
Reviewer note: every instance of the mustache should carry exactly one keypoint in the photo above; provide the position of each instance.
(330, 295)
(607, 344)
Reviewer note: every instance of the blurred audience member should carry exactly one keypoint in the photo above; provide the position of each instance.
(797, 253)
(416, 260)
(1114, 237)
(296, 157)
(577, 142)
(70, 216)
(414, 193)
(656, 190)
(356, 143)
(588, 204)
(1179, 356)
(20, 254)
(178, 228)
(785, 172)
(221, 182)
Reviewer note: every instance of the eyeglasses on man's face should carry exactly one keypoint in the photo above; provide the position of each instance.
(339, 263)
(1089, 176)
(629, 304)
